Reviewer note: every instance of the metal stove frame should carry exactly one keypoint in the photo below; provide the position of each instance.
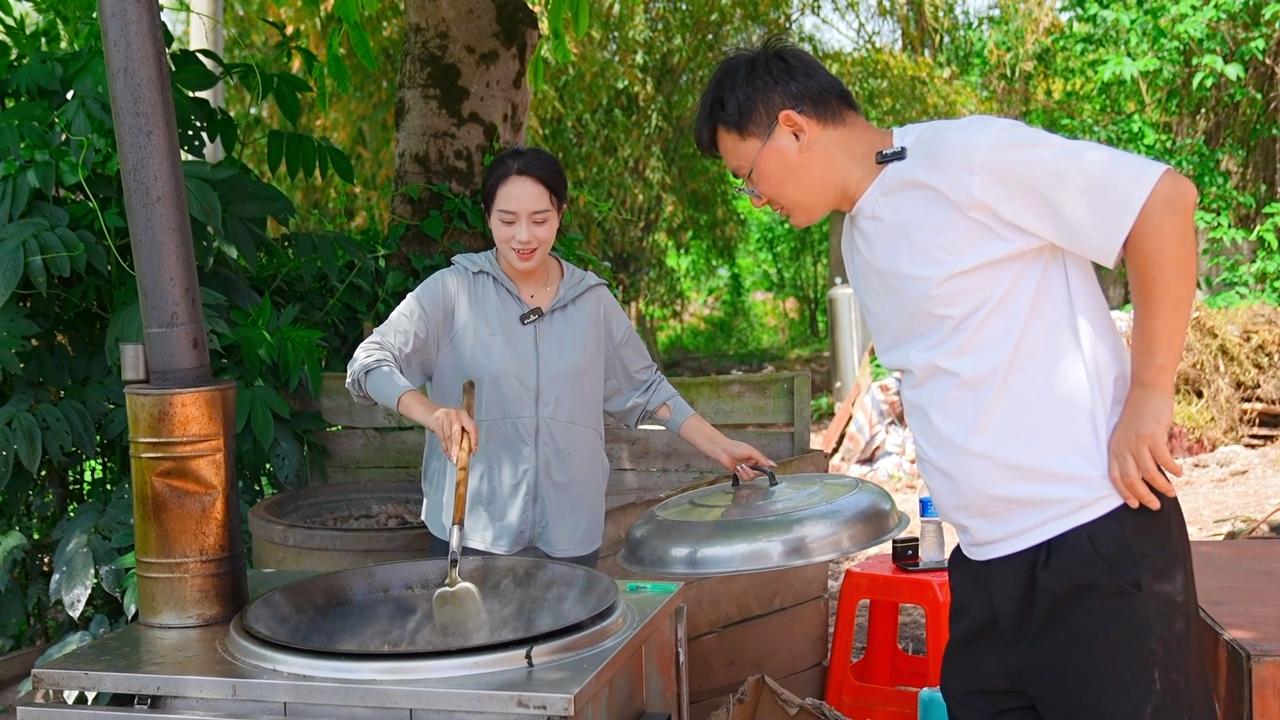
(629, 666)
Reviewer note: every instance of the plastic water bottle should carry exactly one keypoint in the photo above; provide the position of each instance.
(931, 705)
(933, 547)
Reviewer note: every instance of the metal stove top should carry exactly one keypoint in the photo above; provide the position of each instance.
(556, 677)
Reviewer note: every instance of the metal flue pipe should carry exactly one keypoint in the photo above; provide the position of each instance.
(191, 565)
(154, 192)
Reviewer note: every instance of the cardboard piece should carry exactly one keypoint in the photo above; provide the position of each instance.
(810, 683)
(760, 698)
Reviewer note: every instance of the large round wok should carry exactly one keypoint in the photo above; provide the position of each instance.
(386, 608)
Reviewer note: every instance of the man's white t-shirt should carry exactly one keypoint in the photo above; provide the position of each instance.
(972, 262)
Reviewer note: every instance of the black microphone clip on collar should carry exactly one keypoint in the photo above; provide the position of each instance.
(891, 155)
(528, 318)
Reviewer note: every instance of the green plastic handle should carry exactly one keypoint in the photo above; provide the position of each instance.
(654, 586)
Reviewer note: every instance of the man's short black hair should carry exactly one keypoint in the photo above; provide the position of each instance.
(752, 85)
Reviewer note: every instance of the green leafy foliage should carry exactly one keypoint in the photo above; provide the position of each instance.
(769, 295)
(1190, 82)
(559, 21)
(620, 123)
(68, 296)
(352, 102)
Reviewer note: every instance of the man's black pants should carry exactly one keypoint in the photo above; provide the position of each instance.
(1098, 623)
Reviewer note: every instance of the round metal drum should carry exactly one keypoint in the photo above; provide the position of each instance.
(387, 608)
(761, 525)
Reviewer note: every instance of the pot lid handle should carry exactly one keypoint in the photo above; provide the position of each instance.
(773, 479)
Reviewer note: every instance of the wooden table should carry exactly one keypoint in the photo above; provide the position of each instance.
(1237, 583)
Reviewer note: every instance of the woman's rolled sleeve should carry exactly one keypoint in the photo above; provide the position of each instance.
(385, 385)
(397, 357)
(681, 410)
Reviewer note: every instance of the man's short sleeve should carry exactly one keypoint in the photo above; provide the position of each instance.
(1079, 195)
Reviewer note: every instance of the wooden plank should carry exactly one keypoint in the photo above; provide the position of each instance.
(1245, 644)
(834, 434)
(779, 644)
(639, 450)
(630, 486)
(336, 407)
(361, 459)
(625, 487)
(374, 448)
(1228, 574)
(811, 461)
(718, 602)
(802, 414)
(760, 398)
(724, 601)
(1228, 667)
(808, 683)
(663, 450)
(626, 449)
(17, 665)
(1265, 689)
(1260, 408)
(703, 709)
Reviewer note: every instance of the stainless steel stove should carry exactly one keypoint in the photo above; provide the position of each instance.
(628, 664)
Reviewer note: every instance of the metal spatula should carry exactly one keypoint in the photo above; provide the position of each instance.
(457, 606)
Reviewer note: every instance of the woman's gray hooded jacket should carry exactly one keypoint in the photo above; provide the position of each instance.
(542, 390)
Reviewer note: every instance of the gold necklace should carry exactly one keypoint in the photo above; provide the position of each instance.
(546, 282)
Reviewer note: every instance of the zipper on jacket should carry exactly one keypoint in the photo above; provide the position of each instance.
(537, 422)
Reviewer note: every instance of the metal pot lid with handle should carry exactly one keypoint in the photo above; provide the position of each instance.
(785, 521)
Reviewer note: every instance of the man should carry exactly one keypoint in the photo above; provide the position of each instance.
(970, 244)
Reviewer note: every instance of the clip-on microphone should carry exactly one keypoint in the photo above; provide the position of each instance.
(530, 317)
(893, 154)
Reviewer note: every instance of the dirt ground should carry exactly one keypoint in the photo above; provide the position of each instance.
(1223, 492)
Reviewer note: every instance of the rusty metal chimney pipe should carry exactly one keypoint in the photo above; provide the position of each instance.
(186, 510)
(154, 192)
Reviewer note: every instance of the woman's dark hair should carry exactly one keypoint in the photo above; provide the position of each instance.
(530, 162)
(752, 85)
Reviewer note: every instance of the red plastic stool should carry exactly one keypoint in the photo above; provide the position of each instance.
(884, 682)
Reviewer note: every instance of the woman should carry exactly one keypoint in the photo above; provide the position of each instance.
(551, 352)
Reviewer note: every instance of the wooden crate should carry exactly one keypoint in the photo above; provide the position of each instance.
(778, 644)
(1240, 624)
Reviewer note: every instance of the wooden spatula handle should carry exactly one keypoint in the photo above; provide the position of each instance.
(464, 455)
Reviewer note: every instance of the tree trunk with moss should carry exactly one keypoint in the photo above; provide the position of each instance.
(462, 91)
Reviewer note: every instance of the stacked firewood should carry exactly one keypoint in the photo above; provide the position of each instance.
(1265, 423)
